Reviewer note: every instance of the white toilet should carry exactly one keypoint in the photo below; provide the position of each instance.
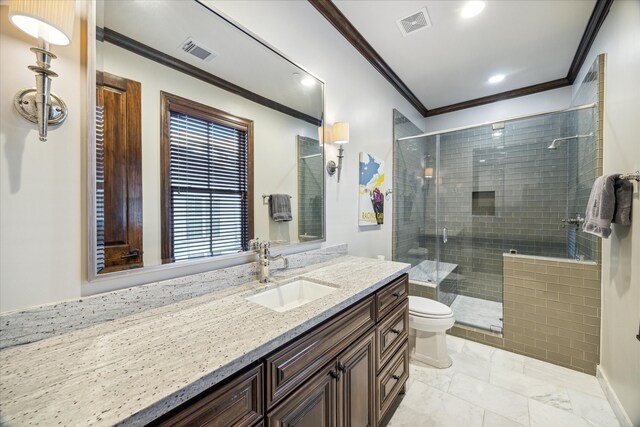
(428, 323)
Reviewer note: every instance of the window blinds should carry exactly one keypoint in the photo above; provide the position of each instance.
(209, 184)
(100, 261)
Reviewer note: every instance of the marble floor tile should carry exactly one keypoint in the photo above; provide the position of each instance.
(424, 405)
(563, 377)
(524, 385)
(468, 364)
(507, 360)
(542, 415)
(455, 344)
(481, 351)
(592, 408)
(491, 419)
(491, 387)
(434, 377)
(496, 399)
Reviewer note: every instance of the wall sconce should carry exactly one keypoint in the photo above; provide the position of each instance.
(428, 173)
(339, 135)
(51, 22)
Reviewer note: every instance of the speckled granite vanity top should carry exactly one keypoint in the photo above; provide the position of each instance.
(136, 368)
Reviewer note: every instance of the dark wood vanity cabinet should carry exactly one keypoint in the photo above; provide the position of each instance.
(239, 402)
(346, 372)
(340, 394)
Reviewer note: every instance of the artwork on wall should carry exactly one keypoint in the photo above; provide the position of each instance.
(371, 191)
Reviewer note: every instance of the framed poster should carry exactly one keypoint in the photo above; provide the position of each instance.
(371, 191)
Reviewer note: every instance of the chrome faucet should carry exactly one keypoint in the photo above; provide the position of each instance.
(264, 275)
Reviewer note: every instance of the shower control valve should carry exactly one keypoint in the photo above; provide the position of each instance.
(575, 221)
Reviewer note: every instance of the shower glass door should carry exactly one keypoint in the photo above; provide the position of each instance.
(470, 194)
(415, 200)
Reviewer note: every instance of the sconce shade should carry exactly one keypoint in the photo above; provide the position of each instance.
(428, 172)
(51, 20)
(341, 133)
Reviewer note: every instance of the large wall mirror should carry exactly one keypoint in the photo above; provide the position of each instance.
(205, 138)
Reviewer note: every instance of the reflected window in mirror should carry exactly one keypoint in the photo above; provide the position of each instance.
(206, 180)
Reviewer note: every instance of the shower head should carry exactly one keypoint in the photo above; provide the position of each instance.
(553, 143)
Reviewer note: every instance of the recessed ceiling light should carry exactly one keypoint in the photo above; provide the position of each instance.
(472, 8)
(304, 80)
(308, 81)
(496, 79)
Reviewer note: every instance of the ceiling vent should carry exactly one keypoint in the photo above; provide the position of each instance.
(415, 22)
(196, 49)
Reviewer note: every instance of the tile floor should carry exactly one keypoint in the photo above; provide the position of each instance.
(490, 387)
(478, 312)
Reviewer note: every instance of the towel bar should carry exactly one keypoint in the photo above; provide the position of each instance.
(631, 176)
(266, 197)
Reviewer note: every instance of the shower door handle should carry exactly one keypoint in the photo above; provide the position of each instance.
(445, 235)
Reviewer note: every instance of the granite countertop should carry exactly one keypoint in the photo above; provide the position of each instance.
(138, 367)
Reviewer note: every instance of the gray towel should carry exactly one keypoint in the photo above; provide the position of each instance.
(280, 207)
(602, 204)
(624, 195)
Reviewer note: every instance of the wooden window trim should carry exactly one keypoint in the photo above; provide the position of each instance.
(168, 103)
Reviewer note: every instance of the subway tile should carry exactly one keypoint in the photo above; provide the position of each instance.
(558, 358)
(535, 351)
(588, 367)
(572, 299)
(592, 302)
(549, 346)
(586, 310)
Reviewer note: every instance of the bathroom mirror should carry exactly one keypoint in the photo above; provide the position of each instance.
(197, 123)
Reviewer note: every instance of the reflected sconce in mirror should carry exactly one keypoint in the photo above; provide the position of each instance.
(339, 135)
(51, 22)
(428, 173)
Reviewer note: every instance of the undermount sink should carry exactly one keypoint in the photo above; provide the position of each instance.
(291, 295)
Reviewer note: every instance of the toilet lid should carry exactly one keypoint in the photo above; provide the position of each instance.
(426, 307)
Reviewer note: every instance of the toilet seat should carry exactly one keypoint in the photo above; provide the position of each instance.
(428, 308)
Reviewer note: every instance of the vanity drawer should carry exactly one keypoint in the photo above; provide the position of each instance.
(392, 379)
(392, 295)
(391, 333)
(297, 362)
(239, 403)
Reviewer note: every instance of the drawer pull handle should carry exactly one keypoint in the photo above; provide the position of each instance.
(395, 331)
(396, 295)
(335, 375)
(395, 377)
(341, 367)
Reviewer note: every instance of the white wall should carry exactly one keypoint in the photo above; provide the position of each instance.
(619, 38)
(275, 154)
(542, 102)
(41, 184)
(43, 206)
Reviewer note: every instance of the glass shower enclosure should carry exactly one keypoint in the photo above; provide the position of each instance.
(465, 197)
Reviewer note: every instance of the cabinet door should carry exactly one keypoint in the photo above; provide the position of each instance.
(356, 384)
(313, 405)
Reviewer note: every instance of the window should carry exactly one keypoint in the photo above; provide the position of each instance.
(206, 165)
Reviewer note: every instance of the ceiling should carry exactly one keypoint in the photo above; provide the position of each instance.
(240, 59)
(530, 41)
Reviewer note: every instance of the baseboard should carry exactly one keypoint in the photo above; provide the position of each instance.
(617, 407)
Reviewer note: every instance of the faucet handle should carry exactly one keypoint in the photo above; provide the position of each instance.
(254, 244)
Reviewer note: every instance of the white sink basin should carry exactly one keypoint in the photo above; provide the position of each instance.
(291, 295)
